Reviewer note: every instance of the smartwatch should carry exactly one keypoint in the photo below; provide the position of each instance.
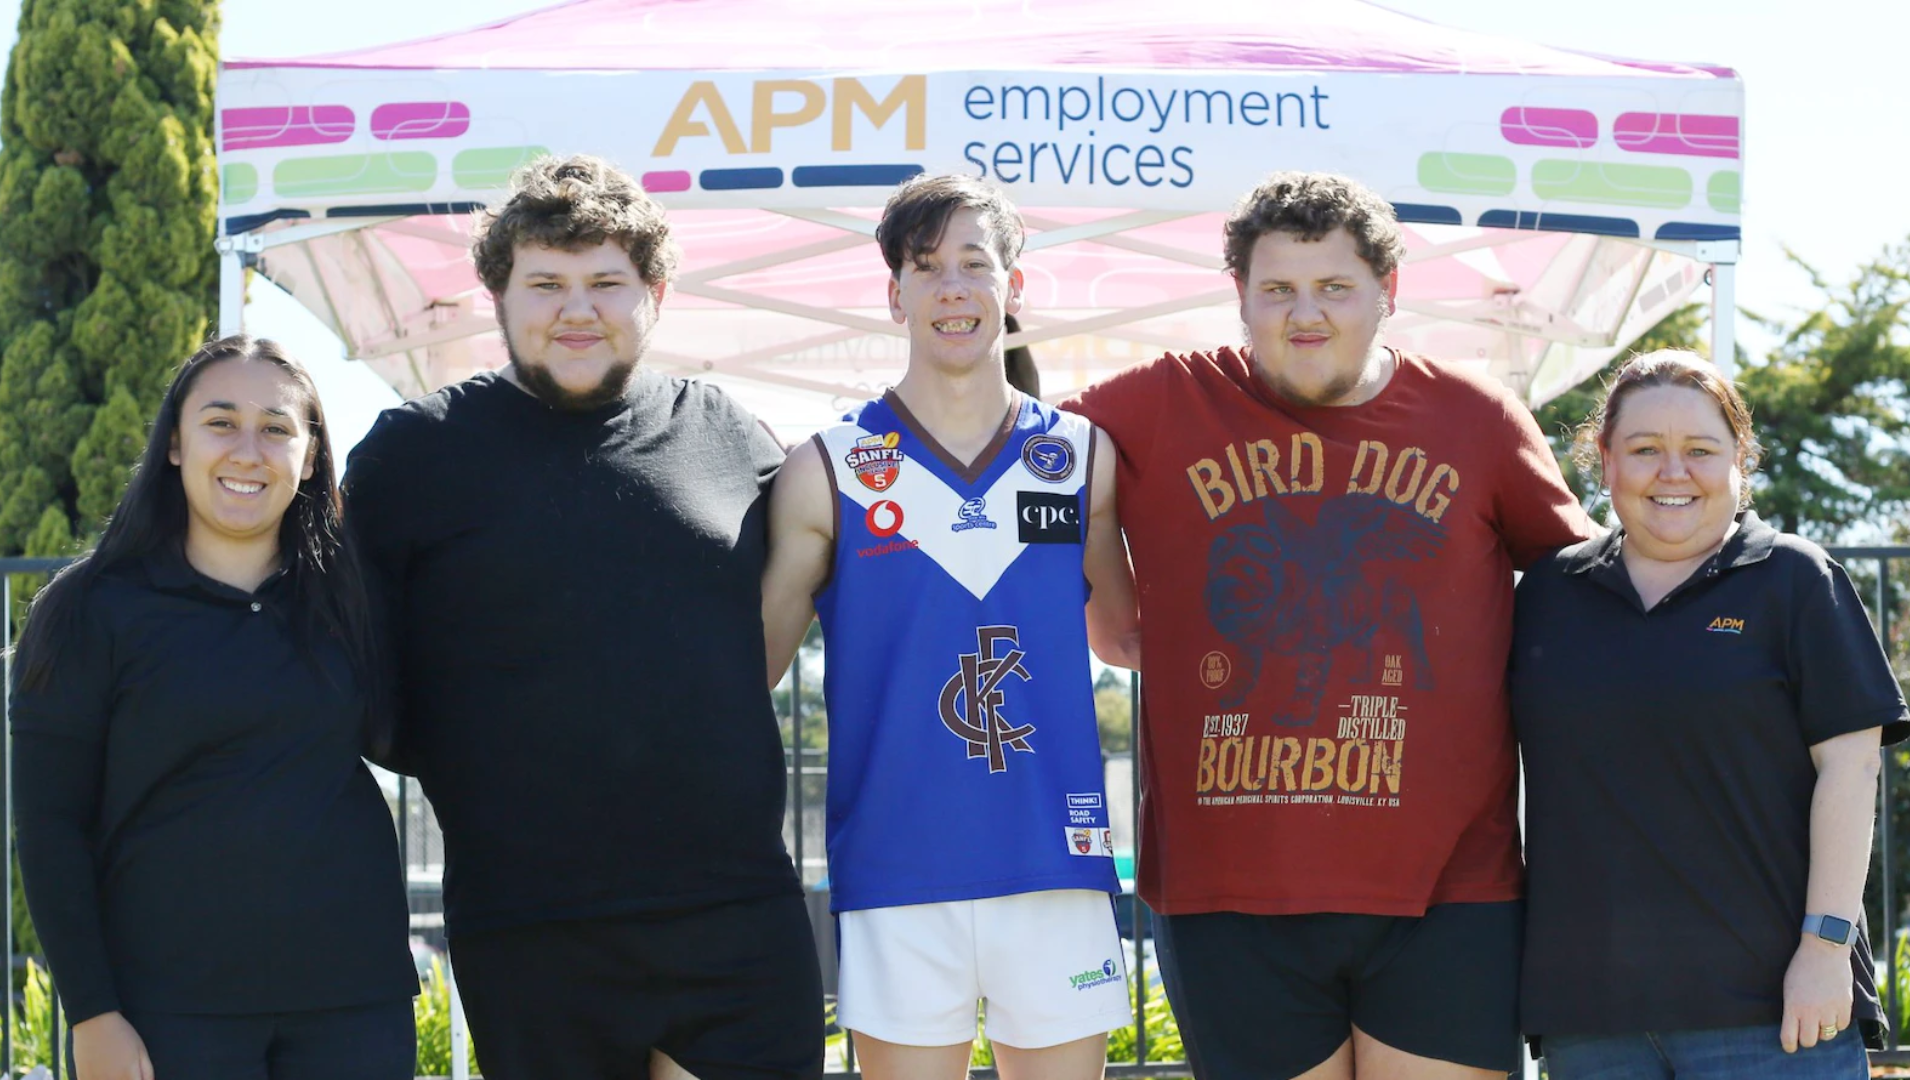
(1829, 927)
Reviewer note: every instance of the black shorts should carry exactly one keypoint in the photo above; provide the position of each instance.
(730, 992)
(1275, 995)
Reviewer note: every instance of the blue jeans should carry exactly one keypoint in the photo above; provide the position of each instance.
(1746, 1053)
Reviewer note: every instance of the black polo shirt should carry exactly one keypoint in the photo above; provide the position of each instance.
(197, 831)
(1669, 778)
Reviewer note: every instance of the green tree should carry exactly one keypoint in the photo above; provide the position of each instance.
(108, 207)
(1831, 408)
(1829, 404)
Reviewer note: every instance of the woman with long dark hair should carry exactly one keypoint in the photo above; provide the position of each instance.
(211, 867)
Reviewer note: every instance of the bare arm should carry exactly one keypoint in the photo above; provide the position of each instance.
(1843, 811)
(1114, 618)
(802, 531)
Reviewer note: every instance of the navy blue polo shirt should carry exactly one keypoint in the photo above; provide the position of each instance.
(1669, 778)
(197, 831)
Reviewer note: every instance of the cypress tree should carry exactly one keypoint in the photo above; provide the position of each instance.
(108, 278)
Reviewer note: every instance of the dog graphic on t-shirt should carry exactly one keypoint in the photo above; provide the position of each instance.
(1288, 588)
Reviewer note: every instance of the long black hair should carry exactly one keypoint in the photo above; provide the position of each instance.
(327, 583)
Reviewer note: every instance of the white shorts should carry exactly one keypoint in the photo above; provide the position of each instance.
(1048, 964)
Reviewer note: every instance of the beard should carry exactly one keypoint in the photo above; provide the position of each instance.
(542, 385)
(1335, 390)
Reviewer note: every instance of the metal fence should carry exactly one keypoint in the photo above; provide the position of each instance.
(1883, 572)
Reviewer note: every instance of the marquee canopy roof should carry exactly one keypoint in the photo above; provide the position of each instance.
(1557, 204)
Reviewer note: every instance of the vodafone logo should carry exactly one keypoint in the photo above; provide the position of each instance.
(884, 517)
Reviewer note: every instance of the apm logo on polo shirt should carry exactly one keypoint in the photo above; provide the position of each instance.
(1725, 625)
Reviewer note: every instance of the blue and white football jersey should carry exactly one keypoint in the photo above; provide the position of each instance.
(964, 759)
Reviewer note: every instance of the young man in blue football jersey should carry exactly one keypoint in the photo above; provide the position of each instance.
(949, 534)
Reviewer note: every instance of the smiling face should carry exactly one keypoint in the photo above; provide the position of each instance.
(1675, 472)
(953, 298)
(576, 322)
(1313, 310)
(244, 444)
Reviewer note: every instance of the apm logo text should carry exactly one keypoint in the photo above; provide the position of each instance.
(790, 103)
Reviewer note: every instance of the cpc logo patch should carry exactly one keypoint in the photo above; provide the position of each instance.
(875, 460)
(1049, 457)
(1044, 517)
(884, 517)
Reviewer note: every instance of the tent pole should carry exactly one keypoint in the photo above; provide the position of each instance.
(235, 254)
(1723, 257)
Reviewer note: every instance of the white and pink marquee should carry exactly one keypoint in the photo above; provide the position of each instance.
(1556, 203)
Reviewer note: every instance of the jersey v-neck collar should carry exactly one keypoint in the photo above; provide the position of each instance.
(970, 472)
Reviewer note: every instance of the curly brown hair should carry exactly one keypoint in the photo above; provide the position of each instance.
(1667, 367)
(571, 203)
(1312, 204)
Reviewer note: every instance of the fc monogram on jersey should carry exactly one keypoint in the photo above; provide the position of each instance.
(972, 697)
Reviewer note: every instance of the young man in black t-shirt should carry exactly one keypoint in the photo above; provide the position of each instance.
(573, 549)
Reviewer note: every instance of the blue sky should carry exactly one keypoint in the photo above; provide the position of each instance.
(1825, 168)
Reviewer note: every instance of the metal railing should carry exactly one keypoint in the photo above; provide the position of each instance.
(1886, 570)
(1889, 589)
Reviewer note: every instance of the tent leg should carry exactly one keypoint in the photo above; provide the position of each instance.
(235, 254)
(1723, 257)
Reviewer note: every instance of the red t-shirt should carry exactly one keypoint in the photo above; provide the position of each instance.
(1326, 608)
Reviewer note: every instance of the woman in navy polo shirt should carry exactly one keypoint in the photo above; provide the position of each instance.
(211, 867)
(1700, 700)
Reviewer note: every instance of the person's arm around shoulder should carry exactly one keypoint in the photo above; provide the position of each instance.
(1536, 511)
(1114, 618)
(382, 495)
(802, 534)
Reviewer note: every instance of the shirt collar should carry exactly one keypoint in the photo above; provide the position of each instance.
(1751, 543)
(169, 571)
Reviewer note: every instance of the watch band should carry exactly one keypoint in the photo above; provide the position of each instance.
(1830, 928)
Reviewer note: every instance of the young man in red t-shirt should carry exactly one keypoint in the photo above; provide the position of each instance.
(1324, 532)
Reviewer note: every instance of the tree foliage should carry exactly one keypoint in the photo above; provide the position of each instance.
(108, 208)
(1830, 405)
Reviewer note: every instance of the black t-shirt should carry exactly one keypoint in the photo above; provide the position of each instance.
(577, 604)
(197, 831)
(1669, 779)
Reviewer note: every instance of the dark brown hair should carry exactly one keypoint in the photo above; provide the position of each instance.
(1311, 205)
(1667, 367)
(328, 589)
(570, 204)
(1019, 362)
(916, 217)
